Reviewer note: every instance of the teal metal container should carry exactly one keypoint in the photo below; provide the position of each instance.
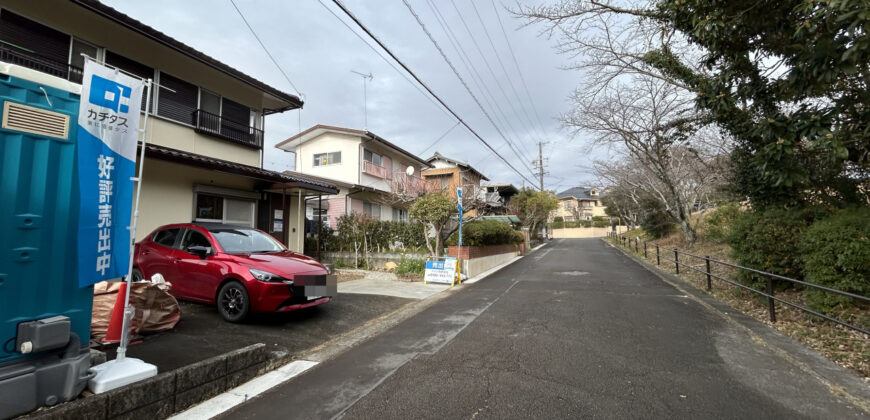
(38, 208)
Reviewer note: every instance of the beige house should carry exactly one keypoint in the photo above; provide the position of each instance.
(579, 203)
(205, 133)
(373, 175)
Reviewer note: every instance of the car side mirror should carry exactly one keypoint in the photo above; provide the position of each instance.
(200, 251)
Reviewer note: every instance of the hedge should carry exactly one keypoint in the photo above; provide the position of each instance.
(486, 232)
(770, 241)
(836, 254)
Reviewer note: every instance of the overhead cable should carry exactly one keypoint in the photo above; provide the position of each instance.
(426, 87)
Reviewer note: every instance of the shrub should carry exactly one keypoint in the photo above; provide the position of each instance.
(770, 241)
(486, 232)
(558, 219)
(836, 254)
(410, 266)
(656, 223)
(718, 223)
(600, 223)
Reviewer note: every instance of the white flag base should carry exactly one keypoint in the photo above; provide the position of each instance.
(117, 373)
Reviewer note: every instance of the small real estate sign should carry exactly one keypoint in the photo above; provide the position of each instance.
(443, 270)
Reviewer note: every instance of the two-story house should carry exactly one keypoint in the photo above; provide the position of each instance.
(203, 160)
(374, 176)
(579, 203)
(450, 174)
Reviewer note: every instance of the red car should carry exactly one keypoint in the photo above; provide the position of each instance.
(240, 269)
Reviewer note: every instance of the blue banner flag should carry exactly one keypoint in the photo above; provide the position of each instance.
(108, 131)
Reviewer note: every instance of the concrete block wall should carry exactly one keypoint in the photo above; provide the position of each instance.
(170, 392)
(471, 252)
(476, 266)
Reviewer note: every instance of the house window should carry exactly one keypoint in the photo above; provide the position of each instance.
(566, 205)
(400, 215)
(218, 209)
(323, 159)
(132, 67)
(77, 60)
(372, 157)
(372, 210)
(33, 45)
(178, 105)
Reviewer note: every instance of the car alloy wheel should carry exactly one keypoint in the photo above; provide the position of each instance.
(233, 303)
(136, 276)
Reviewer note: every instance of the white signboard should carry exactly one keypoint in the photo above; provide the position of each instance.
(440, 271)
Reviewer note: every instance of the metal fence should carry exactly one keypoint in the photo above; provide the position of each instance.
(663, 254)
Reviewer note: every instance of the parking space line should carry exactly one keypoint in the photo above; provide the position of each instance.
(223, 402)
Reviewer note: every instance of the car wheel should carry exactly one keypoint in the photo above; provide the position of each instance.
(137, 275)
(232, 302)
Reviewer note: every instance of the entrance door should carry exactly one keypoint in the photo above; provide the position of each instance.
(277, 217)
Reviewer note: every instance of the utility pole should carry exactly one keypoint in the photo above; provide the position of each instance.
(365, 77)
(539, 165)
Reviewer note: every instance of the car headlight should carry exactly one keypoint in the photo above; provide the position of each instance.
(266, 276)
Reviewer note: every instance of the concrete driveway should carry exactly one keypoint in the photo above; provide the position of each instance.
(202, 333)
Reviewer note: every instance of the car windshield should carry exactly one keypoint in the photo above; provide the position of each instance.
(245, 241)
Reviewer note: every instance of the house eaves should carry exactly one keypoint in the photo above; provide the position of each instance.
(291, 101)
(458, 163)
(315, 131)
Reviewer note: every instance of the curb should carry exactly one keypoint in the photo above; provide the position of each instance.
(170, 392)
(838, 380)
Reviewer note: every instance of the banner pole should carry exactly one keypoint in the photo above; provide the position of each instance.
(125, 325)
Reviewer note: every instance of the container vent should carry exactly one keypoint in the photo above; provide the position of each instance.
(38, 121)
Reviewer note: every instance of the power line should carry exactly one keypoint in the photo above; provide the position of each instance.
(439, 138)
(416, 86)
(462, 81)
(475, 75)
(517, 65)
(504, 69)
(425, 86)
(264, 48)
(491, 72)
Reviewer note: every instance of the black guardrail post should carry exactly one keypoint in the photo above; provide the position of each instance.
(636, 240)
(644, 249)
(709, 283)
(770, 302)
(658, 258)
(677, 261)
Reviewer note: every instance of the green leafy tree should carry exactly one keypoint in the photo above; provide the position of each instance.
(435, 210)
(533, 207)
(786, 79)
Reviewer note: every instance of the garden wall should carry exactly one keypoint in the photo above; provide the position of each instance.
(590, 232)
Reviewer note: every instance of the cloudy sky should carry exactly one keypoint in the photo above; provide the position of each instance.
(319, 54)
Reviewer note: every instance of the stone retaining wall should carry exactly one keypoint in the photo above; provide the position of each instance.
(170, 392)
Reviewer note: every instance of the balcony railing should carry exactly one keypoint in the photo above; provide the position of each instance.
(215, 125)
(37, 62)
(376, 170)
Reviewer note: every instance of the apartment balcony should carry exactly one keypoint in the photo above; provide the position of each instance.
(217, 126)
(39, 63)
(412, 187)
(376, 170)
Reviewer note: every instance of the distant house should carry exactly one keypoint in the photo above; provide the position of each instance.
(448, 174)
(497, 198)
(374, 176)
(579, 203)
(203, 159)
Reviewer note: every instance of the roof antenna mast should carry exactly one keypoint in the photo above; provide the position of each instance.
(365, 78)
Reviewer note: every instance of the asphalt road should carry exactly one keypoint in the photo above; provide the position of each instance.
(577, 329)
(202, 333)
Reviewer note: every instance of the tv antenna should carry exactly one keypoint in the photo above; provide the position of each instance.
(365, 78)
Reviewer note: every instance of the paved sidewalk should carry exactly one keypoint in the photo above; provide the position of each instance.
(384, 286)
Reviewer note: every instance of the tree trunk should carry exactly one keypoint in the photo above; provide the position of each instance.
(438, 243)
(689, 233)
(428, 244)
